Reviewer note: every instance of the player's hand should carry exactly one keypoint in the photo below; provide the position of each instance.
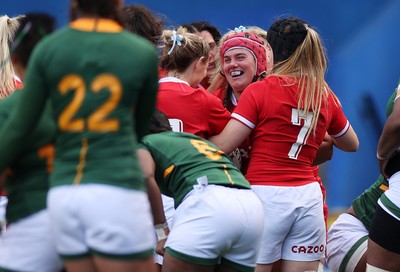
(382, 166)
(390, 164)
(160, 247)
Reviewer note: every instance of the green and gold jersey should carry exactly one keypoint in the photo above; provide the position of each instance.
(389, 106)
(182, 158)
(27, 178)
(102, 82)
(365, 205)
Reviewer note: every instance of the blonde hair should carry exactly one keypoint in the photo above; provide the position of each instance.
(8, 27)
(308, 66)
(179, 57)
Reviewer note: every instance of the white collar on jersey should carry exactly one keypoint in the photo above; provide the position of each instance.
(172, 79)
(233, 99)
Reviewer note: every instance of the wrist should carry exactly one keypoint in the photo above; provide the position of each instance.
(162, 231)
(381, 158)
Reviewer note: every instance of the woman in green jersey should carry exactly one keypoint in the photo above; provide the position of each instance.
(102, 82)
(27, 245)
(218, 220)
(8, 83)
(384, 236)
(347, 240)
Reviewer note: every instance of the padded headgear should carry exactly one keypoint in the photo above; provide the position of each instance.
(249, 42)
(285, 35)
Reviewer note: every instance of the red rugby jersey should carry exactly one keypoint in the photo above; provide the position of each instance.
(283, 144)
(200, 112)
(245, 147)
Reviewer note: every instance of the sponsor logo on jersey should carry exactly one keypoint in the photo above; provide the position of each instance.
(308, 249)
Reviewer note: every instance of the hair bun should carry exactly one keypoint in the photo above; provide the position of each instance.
(285, 35)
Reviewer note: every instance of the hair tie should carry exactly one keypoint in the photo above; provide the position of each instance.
(176, 40)
(20, 36)
(240, 29)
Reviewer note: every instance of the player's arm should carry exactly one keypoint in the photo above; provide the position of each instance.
(22, 120)
(154, 194)
(26, 111)
(218, 82)
(325, 150)
(390, 137)
(147, 98)
(232, 136)
(4, 113)
(348, 141)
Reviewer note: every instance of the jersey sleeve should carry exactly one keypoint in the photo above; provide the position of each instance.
(246, 111)
(389, 105)
(26, 113)
(339, 123)
(147, 97)
(5, 108)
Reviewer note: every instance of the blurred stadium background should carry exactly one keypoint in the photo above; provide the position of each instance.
(362, 40)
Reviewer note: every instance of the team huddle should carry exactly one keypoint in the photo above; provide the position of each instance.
(130, 147)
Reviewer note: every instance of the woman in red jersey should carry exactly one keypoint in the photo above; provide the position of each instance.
(287, 116)
(189, 108)
(244, 59)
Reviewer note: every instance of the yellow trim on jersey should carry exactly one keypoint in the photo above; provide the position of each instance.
(383, 187)
(227, 174)
(96, 24)
(168, 170)
(82, 162)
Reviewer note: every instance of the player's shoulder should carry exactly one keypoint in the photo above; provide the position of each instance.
(52, 42)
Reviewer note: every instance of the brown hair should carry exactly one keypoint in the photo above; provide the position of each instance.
(140, 20)
(100, 8)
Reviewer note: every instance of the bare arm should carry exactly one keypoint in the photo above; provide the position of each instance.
(218, 82)
(232, 136)
(325, 150)
(154, 194)
(390, 138)
(347, 142)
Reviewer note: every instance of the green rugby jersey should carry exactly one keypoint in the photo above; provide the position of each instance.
(27, 180)
(389, 106)
(182, 158)
(365, 205)
(102, 82)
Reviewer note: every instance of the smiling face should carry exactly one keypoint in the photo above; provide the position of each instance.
(239, 68)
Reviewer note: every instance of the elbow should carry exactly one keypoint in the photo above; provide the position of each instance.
(348, 145)
(353, 147)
